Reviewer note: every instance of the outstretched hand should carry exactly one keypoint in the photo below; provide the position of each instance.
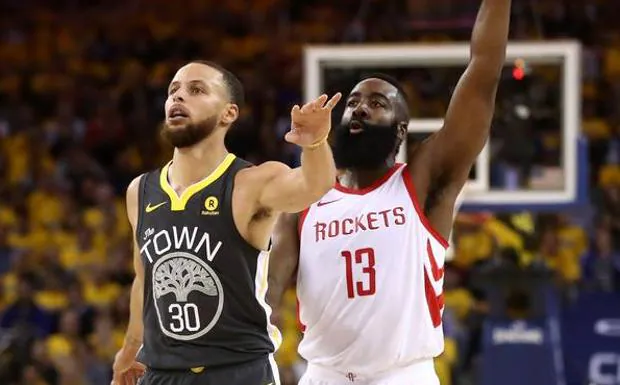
(311, 123)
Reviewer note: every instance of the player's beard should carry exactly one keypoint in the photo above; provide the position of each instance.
(366, 150)
(191, 134)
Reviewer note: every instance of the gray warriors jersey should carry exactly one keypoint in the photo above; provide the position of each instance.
(204, 286)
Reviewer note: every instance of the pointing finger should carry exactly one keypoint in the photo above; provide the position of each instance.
(295, 109)
(307, 107)
(320, 101)
(333, 101)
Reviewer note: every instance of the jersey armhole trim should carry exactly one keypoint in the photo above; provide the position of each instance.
(414, 199)
(300, 325)
(141, 192)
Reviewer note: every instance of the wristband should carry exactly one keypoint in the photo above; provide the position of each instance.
(317, 143)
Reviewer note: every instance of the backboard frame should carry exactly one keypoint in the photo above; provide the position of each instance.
(478, 194)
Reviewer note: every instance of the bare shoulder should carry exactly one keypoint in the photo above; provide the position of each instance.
(263, 172)
(419, 167)
(132, 199)
(132, 189)
(420, 153)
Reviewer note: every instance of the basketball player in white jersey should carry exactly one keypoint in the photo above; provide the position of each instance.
(370, 253)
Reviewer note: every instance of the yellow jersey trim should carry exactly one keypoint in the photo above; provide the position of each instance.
(178, 203)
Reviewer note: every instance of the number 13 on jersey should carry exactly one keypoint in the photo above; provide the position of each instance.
(364, 283)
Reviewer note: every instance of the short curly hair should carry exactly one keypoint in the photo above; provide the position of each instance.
(233, 84)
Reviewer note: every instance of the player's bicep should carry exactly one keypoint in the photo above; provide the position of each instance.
(137, 262)
(467, 123)
(132, 203)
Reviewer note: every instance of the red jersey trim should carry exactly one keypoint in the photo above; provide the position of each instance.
(300, 325)
(414, 199)
(300, 226)
(375, 185)
(435, 302)
(435, 269)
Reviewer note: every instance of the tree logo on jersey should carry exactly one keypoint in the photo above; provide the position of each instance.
(211, 205)
(188, 295)
(181, 276)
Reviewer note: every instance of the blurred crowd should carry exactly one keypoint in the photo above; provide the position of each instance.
(82, 86)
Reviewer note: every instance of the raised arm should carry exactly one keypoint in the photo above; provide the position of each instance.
(292, 190)
(441, 165)
(283, 258)
(452, 151)
(126, 369)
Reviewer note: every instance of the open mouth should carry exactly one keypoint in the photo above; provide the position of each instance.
(356, 127)
(177, 113)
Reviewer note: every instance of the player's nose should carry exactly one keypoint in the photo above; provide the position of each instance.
(360, 112)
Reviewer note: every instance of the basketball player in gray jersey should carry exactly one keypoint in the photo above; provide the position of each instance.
(202, 225)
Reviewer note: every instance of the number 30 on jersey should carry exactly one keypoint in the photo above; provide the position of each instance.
(185, 317)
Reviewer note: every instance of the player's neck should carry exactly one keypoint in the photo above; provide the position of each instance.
(360, 179)
(193, 164)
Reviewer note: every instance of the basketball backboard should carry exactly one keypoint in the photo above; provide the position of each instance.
(478, 194)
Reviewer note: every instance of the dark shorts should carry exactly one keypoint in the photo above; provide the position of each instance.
(259, 372)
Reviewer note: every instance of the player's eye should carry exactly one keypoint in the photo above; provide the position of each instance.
(376, 104)
(196, 90)
(351, 103)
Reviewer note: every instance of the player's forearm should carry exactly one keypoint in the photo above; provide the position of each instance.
(275, 292)
(318, 170)
(282, 266)
(283, 258)
(490, 35)
(135, 328)
(291, 191)
(468, 119)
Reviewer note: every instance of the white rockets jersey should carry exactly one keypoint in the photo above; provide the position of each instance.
(370, 279)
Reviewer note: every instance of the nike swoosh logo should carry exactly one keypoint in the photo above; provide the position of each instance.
(319, 204)
(150, 208)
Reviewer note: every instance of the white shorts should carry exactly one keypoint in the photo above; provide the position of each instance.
(419, 373)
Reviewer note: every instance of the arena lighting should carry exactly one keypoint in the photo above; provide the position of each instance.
(518, 73)
(519, 70)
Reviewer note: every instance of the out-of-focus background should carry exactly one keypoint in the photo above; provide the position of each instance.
(532, 291)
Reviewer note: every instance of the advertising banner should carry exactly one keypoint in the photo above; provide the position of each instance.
(591, 340)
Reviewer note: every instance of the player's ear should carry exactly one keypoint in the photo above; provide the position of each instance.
(402, 130)
(230, 114)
